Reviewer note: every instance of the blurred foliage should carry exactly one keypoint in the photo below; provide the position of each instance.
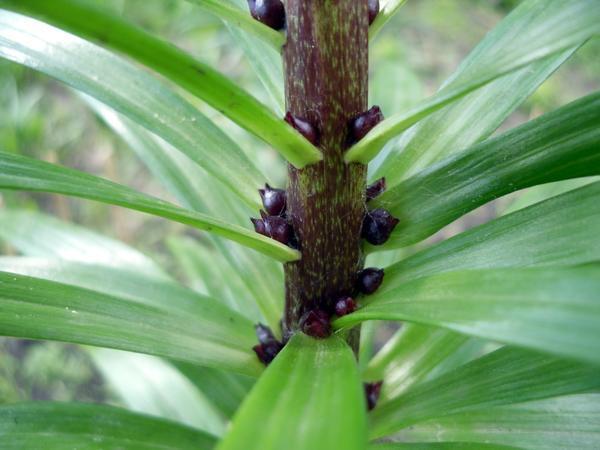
(44, 119)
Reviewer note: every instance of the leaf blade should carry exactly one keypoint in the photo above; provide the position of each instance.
(24, 173)
(556, 311)
(133, 92)
(72, 425)
(322, 375)
(213, 336)
(192, 75)
(556, 146)
(504, 377)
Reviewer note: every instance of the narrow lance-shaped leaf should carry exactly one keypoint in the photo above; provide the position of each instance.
(121, 282)
(559, 145)
(242, 20)
(504, 377)
(150, 385)
(441, 446)
(563, 422)
(320, 375)
(94, 427)
(410, 356)
(532, 32)
(39, 235)
(556, 311)
(19, 172)
(80, 18)
(211, 335)
(560, 231)
(130, 90)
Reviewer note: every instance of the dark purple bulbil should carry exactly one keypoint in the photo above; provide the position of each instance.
(369, 280)
(375, 189)
(305, 128)
(269, 12)
(365, 122)
(377, 226)
(274, 200)
(275, 227)
(372, 392)
(268, 346)
(373, 10)
(344, 306)
(316, 323)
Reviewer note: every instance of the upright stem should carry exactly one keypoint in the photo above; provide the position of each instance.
(326, 75)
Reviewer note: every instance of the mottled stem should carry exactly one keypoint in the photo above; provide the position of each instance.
(326, 75)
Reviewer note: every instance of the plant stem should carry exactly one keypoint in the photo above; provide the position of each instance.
(326, 77)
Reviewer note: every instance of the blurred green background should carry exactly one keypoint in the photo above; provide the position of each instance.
(46, 120)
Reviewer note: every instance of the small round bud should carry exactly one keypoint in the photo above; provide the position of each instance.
(344, 306)
(316, 323)
(274, 200)
(279, 229)
(375, 189)
(373, 10)
(269, 12)
(365, 122)
(369, 280)
(268, 346)
(306, 129)
(377, 226)
(372, 392)
(259, 226)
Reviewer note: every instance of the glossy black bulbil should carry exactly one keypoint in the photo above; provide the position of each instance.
(372, 392)
(316, 323)
(365, 122)
(369, 280)
(305, 128)
(373, 10)
(268, 346)
(269, 12)
(378, 225)
(275, 227)
(375, 189)
(344, 306)
(273, 200)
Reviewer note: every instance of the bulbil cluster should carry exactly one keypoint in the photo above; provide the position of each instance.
(373, 6)
(273, 222)
(269, 12)
(268, 346)
(304, 127)
(372, 392)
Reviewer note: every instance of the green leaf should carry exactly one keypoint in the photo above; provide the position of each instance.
(562, 422)
(560, 231)
(226, 390)
(556, 311)
(133, 92)
(122, 282)
(199, 79)
(321, 376)
(242, 20)
(41, 309)
(22, 173)
(152, 386)
(440, 446)
(60, 426)
(265, 61)
(556, 146)
(410, 356)
(387, 11)
(38, 235)
(504, 377)
(533, 32)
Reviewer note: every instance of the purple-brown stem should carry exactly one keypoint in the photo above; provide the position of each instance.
(326, 74)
